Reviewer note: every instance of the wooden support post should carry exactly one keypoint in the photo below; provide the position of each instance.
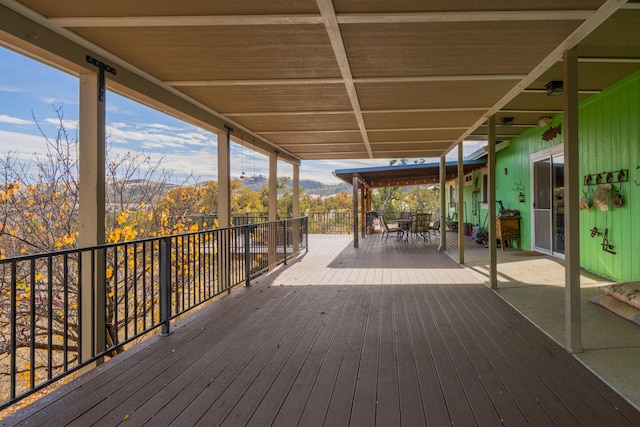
(273, 208)
(355, 184)
(443, 204)
(224, 179)
(91, 212)
(460, 205)
(224, 207)
(573, 320)
(363, 222)
(491, 182)
(295, 208)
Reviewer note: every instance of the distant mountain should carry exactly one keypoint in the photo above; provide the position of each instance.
(322, 189)
(310, 186)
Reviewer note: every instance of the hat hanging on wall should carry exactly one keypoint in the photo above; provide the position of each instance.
(601, 197)
(616, 201)
(584, 204)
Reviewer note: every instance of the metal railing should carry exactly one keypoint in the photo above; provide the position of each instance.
(63, 310)
(319, 222)
(330, 222)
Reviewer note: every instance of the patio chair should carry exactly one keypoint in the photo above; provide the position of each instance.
(387, 230)
(435, 227)
(420, 225)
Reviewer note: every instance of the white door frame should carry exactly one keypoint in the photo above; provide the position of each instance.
(549, 153)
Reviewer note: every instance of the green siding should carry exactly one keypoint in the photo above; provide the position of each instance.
(609, 135)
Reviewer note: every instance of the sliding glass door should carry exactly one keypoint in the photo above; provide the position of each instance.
(548, 202)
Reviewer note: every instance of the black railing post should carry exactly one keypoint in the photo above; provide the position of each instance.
(14, 331)
(306, 234)
(247, 255)
(285, 241)
(165, 285)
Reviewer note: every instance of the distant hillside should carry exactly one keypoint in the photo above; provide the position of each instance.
(132, 189)
(310, 186)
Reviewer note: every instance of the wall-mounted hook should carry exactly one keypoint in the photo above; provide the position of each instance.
(518, 187)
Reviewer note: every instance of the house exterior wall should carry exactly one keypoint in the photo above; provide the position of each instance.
(609, 134)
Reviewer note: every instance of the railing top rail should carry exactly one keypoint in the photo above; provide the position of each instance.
(61, 252)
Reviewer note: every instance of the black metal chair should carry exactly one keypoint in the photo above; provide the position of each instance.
(387, 230)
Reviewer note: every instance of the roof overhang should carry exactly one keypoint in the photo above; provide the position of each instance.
(404, 175)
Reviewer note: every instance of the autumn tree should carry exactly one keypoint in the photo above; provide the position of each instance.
(422, 198)
(39, 213)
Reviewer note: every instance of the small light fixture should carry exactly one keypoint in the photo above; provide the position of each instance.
(544, 121)
(506, 122)
(554, 88)
(521, 197)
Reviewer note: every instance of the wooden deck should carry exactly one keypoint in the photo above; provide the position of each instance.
(389, 334)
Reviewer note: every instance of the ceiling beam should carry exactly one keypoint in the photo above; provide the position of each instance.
(609, 60)
(544, 91)
(329, 81)
(286, 113)
(316, 112)
(475, 16)
(265, 82)
(305, 132)
(530, 112)
(308, 19)
(335, 36)
(427, 110)
(452, 78)
(185, 21)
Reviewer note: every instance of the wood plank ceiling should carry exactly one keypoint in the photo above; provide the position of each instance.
(356, 79)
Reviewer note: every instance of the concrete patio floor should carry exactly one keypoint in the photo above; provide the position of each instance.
(534, 285)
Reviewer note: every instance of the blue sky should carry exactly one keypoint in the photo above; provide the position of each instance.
(29, 90)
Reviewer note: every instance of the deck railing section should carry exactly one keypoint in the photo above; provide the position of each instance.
(319, 222)
(63, 310)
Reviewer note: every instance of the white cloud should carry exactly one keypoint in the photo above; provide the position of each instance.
(14, 120)
(12, 89)
(157, 137)
(21, 146)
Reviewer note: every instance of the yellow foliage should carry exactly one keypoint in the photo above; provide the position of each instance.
(109, 273)
(122, 218)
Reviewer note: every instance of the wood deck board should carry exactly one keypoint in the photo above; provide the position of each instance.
(586, 399)
(317, 405)
(364, 400)
(393, 333)
(483, 411)
(293, 407)
(170, 385)
(523, 399)
(388, 406)
(435, 407)
(66, 408)
(281, 384)
(411, 404)
(205, 394)
(487, 373)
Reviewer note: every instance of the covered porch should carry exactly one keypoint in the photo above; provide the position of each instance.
(381, 335)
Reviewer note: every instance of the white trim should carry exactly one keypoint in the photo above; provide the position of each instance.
(547, 153)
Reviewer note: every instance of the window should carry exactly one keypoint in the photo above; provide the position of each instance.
(485, 188)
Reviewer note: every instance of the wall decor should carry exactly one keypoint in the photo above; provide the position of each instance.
(609, 177)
